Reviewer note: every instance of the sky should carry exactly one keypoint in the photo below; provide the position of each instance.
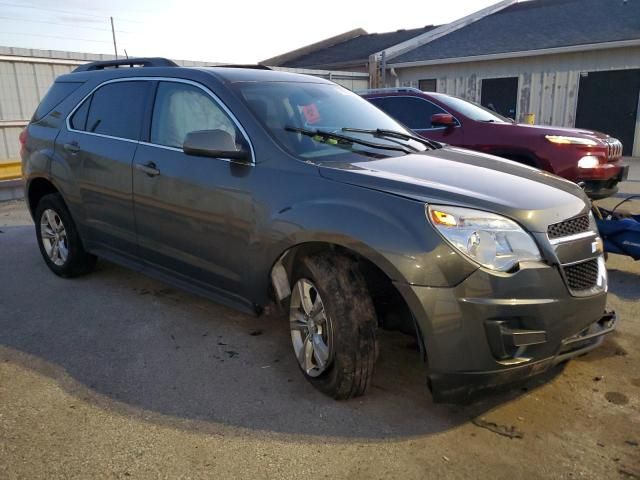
(234, 31)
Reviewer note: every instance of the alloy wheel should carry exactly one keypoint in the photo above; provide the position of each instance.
(54, 237)
(311, 329)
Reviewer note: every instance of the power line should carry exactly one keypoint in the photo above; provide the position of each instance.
(67, 12)
(54, 36)
(63, 24)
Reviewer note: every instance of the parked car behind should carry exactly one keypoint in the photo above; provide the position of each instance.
(251, 186)
(590, 158)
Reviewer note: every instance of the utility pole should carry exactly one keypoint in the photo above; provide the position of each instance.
(113, 33)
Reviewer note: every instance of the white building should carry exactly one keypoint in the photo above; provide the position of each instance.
(572, 63)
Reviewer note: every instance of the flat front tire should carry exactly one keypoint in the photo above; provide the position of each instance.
(333, 325)
(58, 238)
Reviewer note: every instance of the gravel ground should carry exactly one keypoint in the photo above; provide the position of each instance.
(115, 375)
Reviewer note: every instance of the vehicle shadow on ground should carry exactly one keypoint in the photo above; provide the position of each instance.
(130, 344)
(625, 284)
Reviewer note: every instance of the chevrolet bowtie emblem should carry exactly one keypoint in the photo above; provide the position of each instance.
(597, 246)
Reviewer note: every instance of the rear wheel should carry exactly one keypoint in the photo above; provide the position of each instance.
(333, 325)
(58, 238)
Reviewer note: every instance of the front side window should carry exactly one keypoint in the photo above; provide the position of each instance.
(115, 109)
(181, 108)
(414, 112)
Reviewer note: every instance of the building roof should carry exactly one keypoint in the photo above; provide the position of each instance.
(535, 25)
(353, 50)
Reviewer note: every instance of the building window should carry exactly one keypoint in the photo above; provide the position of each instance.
(428, 85)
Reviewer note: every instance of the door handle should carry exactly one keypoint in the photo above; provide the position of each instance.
(149, 168)
(72, 147)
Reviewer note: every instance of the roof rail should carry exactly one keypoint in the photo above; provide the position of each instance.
(127, 62)
(389, 90)
(252, 66)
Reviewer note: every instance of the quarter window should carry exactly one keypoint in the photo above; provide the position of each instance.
(56, 94)
(116, 109)
(414, 112)
(181, 108)
(79, 118)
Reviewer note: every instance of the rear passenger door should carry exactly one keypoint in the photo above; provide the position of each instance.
(416, 113)
(194, 215)
(98, 145)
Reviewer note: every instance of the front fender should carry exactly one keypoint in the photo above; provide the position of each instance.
(390, 231)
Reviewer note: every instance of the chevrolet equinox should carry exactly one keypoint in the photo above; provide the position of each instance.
(251, 186)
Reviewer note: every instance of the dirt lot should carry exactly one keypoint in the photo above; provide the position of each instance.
(115, 375)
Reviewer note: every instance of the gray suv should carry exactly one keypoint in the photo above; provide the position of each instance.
(251, 187)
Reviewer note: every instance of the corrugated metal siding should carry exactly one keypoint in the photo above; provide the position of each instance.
(548, 84)
(9, 145)
(22, 86)
(24, 83)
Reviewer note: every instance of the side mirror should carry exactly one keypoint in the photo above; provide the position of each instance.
(214, 143)
(443, 120)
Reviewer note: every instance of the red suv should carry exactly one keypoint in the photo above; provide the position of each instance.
(583, 156)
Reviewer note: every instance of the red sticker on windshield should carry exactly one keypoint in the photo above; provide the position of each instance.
(311, 113)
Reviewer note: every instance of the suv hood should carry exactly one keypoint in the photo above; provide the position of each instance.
(455, 176)
(571, 132)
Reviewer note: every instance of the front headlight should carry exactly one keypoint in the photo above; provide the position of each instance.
(564, 140)
(493, 241)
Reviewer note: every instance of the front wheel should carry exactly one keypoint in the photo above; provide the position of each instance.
(58, 239)
(333, 325)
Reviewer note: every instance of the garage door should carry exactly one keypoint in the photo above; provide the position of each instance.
(608, 102)
(500, 95)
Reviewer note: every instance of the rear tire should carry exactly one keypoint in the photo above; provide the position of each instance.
(59, 240)
(341, 349)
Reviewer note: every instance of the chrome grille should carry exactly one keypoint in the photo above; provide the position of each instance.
(582, 276)
(569, 227)
(614, 148)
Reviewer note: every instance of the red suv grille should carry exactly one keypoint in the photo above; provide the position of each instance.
(614, 148)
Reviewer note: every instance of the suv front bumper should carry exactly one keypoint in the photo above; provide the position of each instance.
(597, 188)
(492, 330)
(460, 385)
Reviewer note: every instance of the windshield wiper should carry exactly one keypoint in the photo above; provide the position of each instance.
(380, 132)
(345, 138)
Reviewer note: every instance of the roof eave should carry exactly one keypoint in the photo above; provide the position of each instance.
(443, 30)
(328, 66)
(526, 53)
(302, 51)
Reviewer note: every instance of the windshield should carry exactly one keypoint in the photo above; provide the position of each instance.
(471, 110)
(292, 111)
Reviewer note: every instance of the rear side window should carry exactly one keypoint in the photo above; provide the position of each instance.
(115, 109)
(414, 112)
(180, 108)
(56, 94)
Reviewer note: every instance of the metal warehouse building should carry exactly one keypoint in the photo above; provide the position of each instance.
(26, 75)
(572, 63)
